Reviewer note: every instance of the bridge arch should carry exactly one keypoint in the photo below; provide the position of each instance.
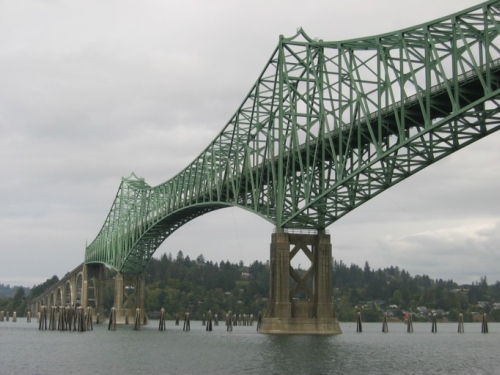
(68, 294)
(163, 228)
(58, 297)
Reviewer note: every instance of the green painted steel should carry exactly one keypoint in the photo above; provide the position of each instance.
(326, 127)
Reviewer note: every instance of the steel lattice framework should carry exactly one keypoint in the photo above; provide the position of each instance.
(326, 127)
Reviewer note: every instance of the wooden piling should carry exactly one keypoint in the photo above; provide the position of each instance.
(88, 323)
(75, 318)
(434, 324)
(209, 321)
(81, 319)
(68, 311)
(60, 319)
(28, 318)
(409, 323)
(137, 320)
(52, 319)
(461, 323)
(112, 320)
(67, 322)
(161, 326)
(484, 325)
(42, 321)
(187, 322)
(385, 326)
(177, 319)
(14, 317)
(359, 326)
(229, 322)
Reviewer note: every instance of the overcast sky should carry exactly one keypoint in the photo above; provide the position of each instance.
(91, 91)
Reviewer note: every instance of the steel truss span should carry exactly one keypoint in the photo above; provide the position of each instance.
(326, 127)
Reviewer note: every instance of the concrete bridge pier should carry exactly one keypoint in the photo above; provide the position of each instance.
(94, 278)
(130, 293)
(286, 313)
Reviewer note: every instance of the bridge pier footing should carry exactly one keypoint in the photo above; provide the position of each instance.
(130, 293)
(287, 314)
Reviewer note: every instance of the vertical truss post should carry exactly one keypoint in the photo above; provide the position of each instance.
(280, 193)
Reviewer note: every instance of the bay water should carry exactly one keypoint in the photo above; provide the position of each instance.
(26, 350)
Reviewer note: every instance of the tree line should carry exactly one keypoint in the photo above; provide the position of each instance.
(180, 283)
(357, 287)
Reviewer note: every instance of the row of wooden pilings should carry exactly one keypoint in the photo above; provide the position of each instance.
(5, 316)
(67, 318)
(209, 320)
(409, 324)
(112, 320)
(59, 318)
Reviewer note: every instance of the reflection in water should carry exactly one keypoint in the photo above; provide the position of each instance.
(299, 354)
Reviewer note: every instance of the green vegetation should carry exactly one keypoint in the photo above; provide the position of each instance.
(199, 285)
(16, 298)
(9, 291)
(16, 303)
(179, 283)
(394, 291)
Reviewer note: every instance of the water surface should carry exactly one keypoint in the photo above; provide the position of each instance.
(26, 350)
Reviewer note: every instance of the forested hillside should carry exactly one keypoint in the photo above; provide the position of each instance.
(179, 283)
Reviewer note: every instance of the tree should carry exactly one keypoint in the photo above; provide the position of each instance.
(200, 260)
(397, 297)
(19, 296)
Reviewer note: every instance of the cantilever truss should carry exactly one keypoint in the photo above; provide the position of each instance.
(326, 127)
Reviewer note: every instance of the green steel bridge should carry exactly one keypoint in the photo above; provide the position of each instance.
(326, 127)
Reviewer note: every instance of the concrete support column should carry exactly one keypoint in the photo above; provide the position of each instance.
(141, 297)
(72, 282)
(95, 277)
(119, 298)
(100, 292)
(323, 289)
(84, 299)
(280, 275)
